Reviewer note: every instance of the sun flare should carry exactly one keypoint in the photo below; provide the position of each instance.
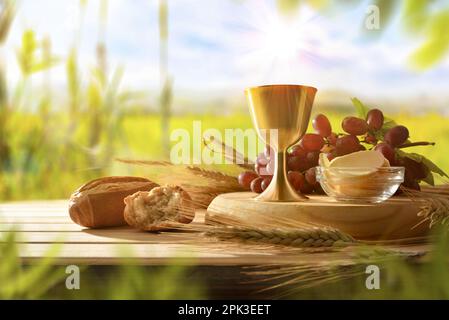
(281, 40)
(281, 46)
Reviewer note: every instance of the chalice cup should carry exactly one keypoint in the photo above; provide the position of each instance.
(280, 114)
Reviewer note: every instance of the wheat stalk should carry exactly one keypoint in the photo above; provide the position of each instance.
(214, 175)
(291, 279)
(201, 184)
(294, 237)
(434, 204)
(230, 153)
(186, 172)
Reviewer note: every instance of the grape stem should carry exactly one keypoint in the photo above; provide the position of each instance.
(414, 144)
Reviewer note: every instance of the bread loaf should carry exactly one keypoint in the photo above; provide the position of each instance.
(159, 209)
(99, 203)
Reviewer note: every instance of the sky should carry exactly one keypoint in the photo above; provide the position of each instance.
(219, 47)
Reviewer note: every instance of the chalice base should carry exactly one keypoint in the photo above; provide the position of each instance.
(280, 193)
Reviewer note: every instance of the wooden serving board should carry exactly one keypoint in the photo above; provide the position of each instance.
(395, 218)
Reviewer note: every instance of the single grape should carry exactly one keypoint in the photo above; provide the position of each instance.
(298, 182)
(312, 142)
(354, 126)
(375, 119)
(370, 139)
(297, 164)
(245, 178)
(387, 151)
(310, 176)
(313, 158)
(259, 169)
(265, 183)
(297, 151)
(332, 138)
(319, 189)
(332, 155)
(347, 144)
(306, 188)
(256, 185)
(296, 179)
(396, 136)
(322, 125)
(262, 160)
(269, 169)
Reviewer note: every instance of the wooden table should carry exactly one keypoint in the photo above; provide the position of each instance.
(38, 225)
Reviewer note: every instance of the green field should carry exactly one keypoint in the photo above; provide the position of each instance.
(45, 164)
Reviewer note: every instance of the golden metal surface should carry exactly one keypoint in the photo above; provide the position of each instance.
(286, 110)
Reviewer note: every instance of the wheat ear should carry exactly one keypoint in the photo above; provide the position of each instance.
(434, 204)
(295, 237)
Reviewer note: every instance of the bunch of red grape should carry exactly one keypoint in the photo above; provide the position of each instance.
(360, 134)
(301, 162)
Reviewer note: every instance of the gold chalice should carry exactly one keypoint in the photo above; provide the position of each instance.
(285, 110)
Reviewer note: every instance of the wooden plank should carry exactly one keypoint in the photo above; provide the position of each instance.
(396, 218)
(40, 227)
(48, 208)
(162, 254)
(123, 235)
(155, 254)
(34, 219)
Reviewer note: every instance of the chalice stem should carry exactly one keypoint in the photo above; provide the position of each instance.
(279, 188)
(285, 190)
(280, 174)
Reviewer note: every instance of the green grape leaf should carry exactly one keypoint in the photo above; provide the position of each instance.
(433, 167)
(388, 124)
(360, 108)
(421, 159)
(429, 179)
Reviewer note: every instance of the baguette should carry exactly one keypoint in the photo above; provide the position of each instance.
(99, 203)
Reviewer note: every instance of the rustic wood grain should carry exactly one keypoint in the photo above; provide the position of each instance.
(393, 219)
(39, 226)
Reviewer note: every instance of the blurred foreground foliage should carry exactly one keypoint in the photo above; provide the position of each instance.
(420, 277)
(44, 278)
(425, 21)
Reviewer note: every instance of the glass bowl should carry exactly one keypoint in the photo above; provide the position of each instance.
(360, 185)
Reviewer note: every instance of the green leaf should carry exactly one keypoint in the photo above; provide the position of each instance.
(415, 15)
(429, 179)
(388, 124)
(360, 108)
(433, 167)
(422, 159)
